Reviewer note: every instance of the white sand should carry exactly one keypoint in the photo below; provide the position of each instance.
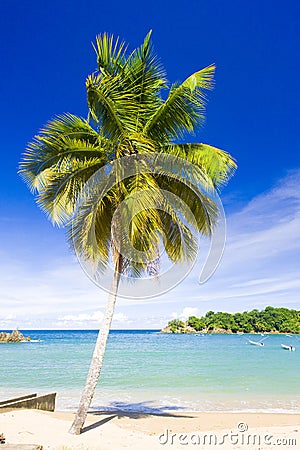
(148, 432)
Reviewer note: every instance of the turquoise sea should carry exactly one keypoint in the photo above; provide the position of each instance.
(151, 372)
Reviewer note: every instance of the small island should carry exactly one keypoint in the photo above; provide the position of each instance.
(13, 337)
(269, 320)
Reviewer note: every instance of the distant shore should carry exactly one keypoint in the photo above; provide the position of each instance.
(167, 330)
(120, 430)
(270, 321)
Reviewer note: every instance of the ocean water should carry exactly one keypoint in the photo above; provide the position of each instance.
(151, 372)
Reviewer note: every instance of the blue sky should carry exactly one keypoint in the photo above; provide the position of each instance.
(46, 54)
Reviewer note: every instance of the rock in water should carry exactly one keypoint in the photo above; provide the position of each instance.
(15, 336)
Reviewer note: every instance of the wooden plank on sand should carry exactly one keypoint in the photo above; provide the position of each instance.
(44, 402)
(17, 399)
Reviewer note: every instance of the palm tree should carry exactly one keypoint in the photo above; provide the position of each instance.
(127, 116)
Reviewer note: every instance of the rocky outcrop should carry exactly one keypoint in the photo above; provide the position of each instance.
(186, 329)
(220, 331)
(15, 336)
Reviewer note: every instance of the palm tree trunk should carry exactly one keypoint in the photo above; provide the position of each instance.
(98, 355)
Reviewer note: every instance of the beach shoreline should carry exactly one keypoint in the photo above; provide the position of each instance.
(121, 429)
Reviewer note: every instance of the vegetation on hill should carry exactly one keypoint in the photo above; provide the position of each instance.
(269, 320)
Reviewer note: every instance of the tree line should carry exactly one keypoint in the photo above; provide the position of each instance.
(270, 319)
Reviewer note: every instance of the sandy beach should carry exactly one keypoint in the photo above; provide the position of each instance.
(122, 430)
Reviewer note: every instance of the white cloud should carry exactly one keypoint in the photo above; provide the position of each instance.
(185, 313)
(93, 319)
(83, 318)
(120, 317)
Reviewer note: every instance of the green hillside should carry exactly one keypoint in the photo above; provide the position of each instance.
(269, 320)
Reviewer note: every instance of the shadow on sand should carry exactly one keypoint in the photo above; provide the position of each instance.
(132, 411)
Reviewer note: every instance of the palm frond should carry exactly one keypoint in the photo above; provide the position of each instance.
(60, 187)
(203, 208)
(72, 126)
(179, 240)
(139, 76)
(184, 108)
(89, 233)
(218, 165)
(145, 76)
(110, 53)
(64, 137)
(172, 165)
(109, 104)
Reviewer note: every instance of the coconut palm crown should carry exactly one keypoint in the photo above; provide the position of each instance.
(131, 111)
